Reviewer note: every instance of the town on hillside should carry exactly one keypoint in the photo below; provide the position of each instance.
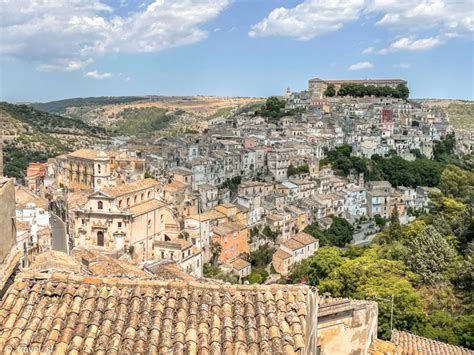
(318, 222)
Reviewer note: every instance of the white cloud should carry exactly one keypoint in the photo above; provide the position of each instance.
(368, 50)
(69, 34)
(407, 15)
(308, 19)
(361, 66)
(402, 65)
(410, 44)
(312, 18)
(96, 75)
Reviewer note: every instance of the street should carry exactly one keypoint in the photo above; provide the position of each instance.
(58, 229)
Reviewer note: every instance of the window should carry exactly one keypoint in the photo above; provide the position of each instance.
(149, 194)
(119, 224)
(135, 199)
(171, 255)
(142, 197)
(100, 205)
(99, 168)
(83, 221)
(128, 201)
(162, 254)
(120, 203)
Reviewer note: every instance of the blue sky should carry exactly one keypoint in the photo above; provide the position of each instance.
(76, 48)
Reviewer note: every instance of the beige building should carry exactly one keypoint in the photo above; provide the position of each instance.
(317, 86)
(87, 169)
(120, 217)
(182, 252)
(293, 250)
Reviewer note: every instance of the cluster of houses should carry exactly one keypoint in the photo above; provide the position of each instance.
(170, 206)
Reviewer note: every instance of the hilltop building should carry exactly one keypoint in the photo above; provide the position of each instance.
(317, 86)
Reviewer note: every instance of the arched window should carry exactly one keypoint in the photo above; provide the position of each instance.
(142, 197)
(100, 205)
(120, 203)
(128, 201)
(100, 238)
(149, 194)
(135, 199)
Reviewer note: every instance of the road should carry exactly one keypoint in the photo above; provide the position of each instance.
(58, 229)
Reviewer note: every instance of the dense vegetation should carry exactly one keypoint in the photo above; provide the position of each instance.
(427, 266)
(396, 170)
(361, 90)
(39, 135)
(47, 122)
(274, 109)
(61, 105)
(338, 234)
(142, 120)
(292, 170)
(16, 160)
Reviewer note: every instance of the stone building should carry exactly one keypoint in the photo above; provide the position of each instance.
(88, 169)
(317, 86)
(293, 250)
(9, 253)
(233, 239)
(84, 169)
(120, 217)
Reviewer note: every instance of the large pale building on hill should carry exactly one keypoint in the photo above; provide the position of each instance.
(317, 86)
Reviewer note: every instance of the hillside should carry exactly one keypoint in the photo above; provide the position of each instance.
(60, 106)
(33, 135)
(461, 115)
(148, 115)
(461, 112)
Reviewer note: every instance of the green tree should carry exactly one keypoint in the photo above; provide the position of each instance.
(216, 250)
(429, 255)
(330, 91)
(368, 277)
(456, 182)
(340, 232)
(272, 235)
(395, 229)
(402, 91)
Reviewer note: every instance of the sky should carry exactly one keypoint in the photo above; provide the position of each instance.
(56, 49)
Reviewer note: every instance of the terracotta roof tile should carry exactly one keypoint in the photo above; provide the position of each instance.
(73, 314)
(123, 189)
(412, 344)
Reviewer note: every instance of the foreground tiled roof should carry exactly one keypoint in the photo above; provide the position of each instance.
(72, 314)
(412, 344)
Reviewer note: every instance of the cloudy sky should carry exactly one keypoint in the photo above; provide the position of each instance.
(53, 49)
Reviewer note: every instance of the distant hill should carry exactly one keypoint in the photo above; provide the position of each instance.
(31, 135)
(149, 115)
(60, 106)
(46, 122)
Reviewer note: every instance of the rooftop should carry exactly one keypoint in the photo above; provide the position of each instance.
(116, 191)
(229, 227)
(414, 344)
(117, 315)
(89, 154)
(146, 206)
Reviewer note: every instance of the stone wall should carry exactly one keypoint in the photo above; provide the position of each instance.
(7, 214)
